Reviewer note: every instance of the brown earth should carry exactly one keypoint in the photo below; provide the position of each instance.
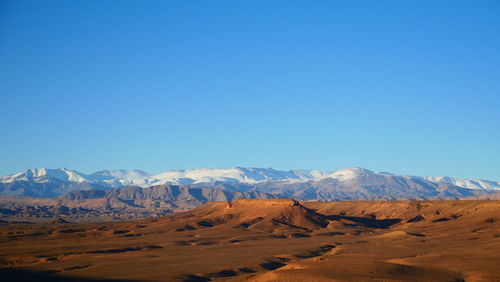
(267, 240)
(491, 196)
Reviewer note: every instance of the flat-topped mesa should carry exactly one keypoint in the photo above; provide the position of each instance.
(245, 206)
(261, 213)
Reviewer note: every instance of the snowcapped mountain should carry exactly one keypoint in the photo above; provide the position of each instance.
(46, 183)
(350, 174)
(120, 178)
(54, 182)
(466, 183)
(45, 175)
(234, 175)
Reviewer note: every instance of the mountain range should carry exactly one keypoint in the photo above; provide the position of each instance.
(122, 194)
(302, 184)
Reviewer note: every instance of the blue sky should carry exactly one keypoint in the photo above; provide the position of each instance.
(408, 87)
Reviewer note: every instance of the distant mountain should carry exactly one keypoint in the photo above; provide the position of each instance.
(466, 183)
(357, 184)
(120, 203)
(493, 196)
(121, 178)
(44, 175)
(77, 195)
(46, 183)
(351, 183)
(235, 175)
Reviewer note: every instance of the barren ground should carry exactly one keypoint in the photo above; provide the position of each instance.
(267, 240)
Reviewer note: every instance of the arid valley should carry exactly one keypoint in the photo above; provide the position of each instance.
(267, 240)
(289, 141)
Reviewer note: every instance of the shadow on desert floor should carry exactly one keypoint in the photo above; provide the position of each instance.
(22, 275)
(368, 222)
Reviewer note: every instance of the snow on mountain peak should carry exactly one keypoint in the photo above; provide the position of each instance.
(249, 175)
(348, 174)
(237, 175)
(465, 183)
(44, 175)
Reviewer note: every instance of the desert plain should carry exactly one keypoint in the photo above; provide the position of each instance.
(267, 240)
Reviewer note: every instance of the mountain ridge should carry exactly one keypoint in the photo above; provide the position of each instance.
(93, 201)
(343, 184)
(236, 174)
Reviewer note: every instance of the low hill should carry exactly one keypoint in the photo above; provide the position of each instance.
(260, 214)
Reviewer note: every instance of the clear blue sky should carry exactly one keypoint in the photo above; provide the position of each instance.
(402, 86)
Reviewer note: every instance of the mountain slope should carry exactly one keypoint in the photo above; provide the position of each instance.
(120, 178)
(45, 175)
(234, 175)
(466, 183)
(362, 184)
(121, 203)
(45, 189)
